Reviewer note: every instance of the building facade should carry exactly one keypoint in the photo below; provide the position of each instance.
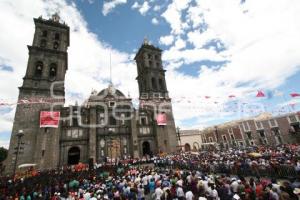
(262, 130)
(190, 140)
(105, 126)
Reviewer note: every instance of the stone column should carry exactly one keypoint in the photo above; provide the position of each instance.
(92, 134)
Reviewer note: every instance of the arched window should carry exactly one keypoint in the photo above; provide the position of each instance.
(55, 45)
(161, 84)
(45, 33)
(38, 69)
(43, 43)
(56, 36)
(52, 71)
(153, 82)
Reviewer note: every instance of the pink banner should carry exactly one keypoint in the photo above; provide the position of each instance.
(161, 119)
(49, 119)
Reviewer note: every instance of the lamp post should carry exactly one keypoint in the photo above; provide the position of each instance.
(217, 135)
(178, 136)
(110, 147)
(19, 135)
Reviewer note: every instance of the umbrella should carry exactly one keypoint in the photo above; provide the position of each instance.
(27, 165)
(254, 154)
(73, 184)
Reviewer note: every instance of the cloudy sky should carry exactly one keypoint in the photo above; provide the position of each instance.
(212, 50)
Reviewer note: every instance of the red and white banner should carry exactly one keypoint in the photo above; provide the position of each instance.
(161, 119)
(49, 119)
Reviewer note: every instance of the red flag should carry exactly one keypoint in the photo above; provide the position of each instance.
(207, 97)
(260, 94)
(295, 94)
(231, 96)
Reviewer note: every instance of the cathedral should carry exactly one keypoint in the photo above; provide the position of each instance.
(105, 127)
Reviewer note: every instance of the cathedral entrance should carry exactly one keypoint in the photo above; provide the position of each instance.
(115, 149)
(73, 156)
(146, 148)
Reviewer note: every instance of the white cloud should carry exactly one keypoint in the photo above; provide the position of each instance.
(199, 39)
(156, 8)
(179, 44)
(108, 6)
(261, 49)
(154, 21)
(4, 143)
(142, 8)
(173, 15)
(166, 40)
(135, 5)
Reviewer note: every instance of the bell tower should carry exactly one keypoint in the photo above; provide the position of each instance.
(43, 82)
(154, 102)
(151, 75)
(48, 58)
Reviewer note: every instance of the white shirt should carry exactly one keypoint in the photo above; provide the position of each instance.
(189, 195)
(180, 192)
(234, 185)
(158, 193)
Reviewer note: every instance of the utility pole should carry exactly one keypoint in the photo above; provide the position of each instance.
(217, 136)
(178, 136)
(20, 134)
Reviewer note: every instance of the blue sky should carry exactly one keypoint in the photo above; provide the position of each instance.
(211, 48)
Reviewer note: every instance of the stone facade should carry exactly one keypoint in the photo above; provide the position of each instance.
(190, 140)
(105, 126)
(262, 130)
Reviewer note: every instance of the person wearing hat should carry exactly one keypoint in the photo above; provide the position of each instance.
(297, 192)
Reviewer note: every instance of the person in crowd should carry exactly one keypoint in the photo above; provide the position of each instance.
(215, 175)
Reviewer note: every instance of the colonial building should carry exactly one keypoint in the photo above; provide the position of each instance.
(264, 129)
(190, 140)
(105, 126)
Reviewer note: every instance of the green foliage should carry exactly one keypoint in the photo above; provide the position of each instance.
(3, 154)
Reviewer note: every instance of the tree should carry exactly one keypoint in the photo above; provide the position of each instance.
(3, 154)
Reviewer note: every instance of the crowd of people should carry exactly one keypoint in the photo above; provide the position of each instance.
(211, 175)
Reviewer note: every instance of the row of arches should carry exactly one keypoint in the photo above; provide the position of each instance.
(187, 147)
(39, 68)
(43, 41)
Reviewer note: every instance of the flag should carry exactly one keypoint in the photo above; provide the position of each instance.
(207, 97)
(295, 94)
(260, 94)
(231, 96)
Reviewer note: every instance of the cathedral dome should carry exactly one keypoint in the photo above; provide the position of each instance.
(111, 91)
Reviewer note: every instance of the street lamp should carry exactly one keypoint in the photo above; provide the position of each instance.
(19, 135)
(217, 136)
(178, 136)
(110, 147)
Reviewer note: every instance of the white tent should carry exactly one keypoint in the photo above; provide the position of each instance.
(26, 165)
